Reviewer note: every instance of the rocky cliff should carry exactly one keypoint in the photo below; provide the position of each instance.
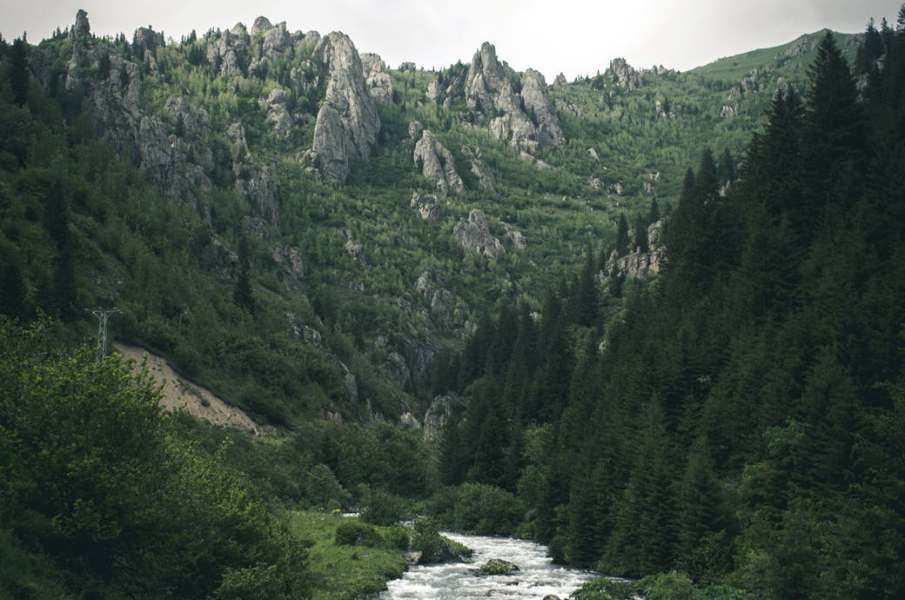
(347, 121)
(517, 106)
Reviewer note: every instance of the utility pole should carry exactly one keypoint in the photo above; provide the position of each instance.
(103, 316)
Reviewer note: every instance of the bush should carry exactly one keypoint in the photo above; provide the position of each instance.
(96, 481)
(669, 586)
(478, 508)
(435, 548)
(397, 538)
(383, 509)
(355, 533)
(605, 589)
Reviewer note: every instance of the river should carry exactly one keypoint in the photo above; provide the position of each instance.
(538, 576)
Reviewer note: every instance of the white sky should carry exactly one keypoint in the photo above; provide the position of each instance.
(576, 37)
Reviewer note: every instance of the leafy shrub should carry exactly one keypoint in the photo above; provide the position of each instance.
(669, 586)
(95, 480)
(605, 589)
(397, 538)
(478, 508)
(384, 509)
(355, 533)
(435, 548)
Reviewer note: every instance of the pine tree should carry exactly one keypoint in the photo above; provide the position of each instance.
(836, 129)
(18, 71)
(701, 523)
(622, 241)
(586, 298)
(64, 290)
(12, 292)
(641, 234)
(654, 214)
(451, 460)
(727, 168)
(62, 294)
(243, 295)
(870, 50)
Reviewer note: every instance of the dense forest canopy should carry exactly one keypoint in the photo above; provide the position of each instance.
(740, 419)
(691, 376)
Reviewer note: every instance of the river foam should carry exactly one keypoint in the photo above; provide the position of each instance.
(537, 577)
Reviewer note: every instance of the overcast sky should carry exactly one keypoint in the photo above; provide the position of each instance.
(573, 36)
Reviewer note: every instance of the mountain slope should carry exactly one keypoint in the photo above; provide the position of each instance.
(236, 125)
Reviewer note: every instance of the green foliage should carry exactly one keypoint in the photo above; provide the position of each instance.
(354, 533)
(340, 572)
(90, 467)
(433, 547)
(725, 419)
(478, 508)
(382, 508)
(18, 71)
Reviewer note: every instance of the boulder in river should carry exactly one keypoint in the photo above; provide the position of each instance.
(496, 566)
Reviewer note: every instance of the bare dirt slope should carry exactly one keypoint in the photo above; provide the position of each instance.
(179, 394)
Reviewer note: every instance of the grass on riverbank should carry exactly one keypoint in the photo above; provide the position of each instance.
(343, 572)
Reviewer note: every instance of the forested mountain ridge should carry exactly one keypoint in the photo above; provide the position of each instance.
(242, 133)
(340, 248)
(740, 419)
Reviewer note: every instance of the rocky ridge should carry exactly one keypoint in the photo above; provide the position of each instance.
(347, 121)
(517, 106)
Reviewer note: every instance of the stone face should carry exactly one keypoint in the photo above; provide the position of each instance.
(560, 80)
(474, 236)
(347, 122)
(437, 164)
(427, 206)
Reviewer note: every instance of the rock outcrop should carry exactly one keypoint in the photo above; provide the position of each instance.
(474, 236)
(378, 80)
(623, 75)
(438, 414)
(437, 164)
(534, 97)
(81, 29)
(347, 122)
(292, 269)
(277, 106)
(444, 310)
(525, 119)
(173, 150)
(256, 183)
(427, 206)
(479, 168)
(639, 264)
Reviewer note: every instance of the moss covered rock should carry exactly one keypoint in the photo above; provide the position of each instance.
(495, 566)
